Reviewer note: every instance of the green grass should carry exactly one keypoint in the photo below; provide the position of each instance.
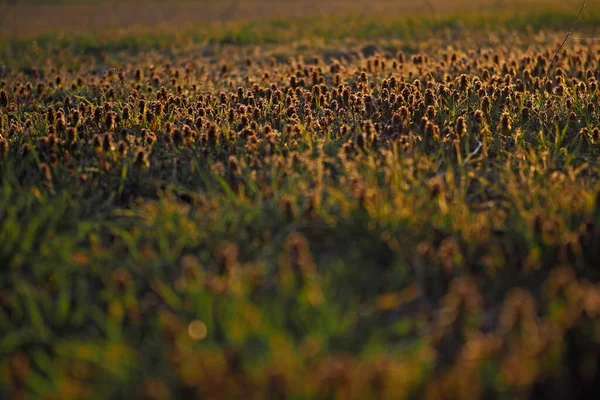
(225, 240)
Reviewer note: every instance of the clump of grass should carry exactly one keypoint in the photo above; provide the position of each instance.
(381, 221)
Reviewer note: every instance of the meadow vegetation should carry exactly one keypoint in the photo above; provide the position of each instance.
(327, 206)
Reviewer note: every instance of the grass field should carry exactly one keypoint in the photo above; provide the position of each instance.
(278, 200)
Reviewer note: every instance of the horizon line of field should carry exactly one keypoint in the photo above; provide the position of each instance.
(35, 19)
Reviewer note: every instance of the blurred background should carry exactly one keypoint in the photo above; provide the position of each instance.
(40, 16)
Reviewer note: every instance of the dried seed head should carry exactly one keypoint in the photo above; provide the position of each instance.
(505, 122)
(110, 121)
(187, 132)
(51, 116)
(126, 113)
(486, 104)
(397, 120)
(591, 108)
(404, 113)
(97, 115)
(485, 76)
(430, 113)
(463, 83)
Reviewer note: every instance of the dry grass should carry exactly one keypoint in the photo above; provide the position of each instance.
(333, 207)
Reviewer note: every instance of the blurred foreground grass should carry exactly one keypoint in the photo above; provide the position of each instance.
(373, 206)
